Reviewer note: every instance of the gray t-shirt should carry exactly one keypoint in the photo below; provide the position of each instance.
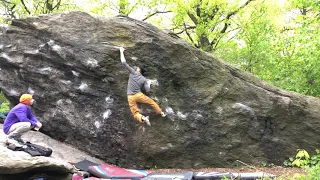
(136, 81)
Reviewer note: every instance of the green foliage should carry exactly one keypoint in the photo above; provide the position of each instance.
(224, 178)
(315, 159)
(313, 172)
(283, 54)
(204, 22)
(21, 9)
(298, 44)
(4, 107)
(5, 103)
(265, 164)
(123, 7)
(155, 167)
(251, 49)
(303, 159)
(110, 7)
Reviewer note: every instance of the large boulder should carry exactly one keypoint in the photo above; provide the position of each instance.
(217, 114)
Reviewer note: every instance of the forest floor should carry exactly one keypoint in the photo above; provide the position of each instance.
(282, 173)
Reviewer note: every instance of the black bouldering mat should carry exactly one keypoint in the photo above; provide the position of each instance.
(84, 164)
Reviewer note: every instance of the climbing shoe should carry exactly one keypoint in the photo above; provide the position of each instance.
(146, 120)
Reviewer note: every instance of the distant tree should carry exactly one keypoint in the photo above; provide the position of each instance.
(301, 43)
(23, 8)
(204, 22)
(278, 45)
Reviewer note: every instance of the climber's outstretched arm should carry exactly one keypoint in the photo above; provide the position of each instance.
(124, 62)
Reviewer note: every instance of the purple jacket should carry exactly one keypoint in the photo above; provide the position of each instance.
(20, 113)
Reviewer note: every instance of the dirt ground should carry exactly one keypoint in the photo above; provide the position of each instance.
(280, 172)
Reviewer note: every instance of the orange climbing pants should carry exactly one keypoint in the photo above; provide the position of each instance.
(139, 97)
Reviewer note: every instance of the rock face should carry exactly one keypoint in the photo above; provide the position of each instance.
(217, 114)
(20, 165)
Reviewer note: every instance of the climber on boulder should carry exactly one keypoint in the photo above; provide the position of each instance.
(136, 83)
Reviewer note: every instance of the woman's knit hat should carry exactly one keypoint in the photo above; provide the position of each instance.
(25, 97)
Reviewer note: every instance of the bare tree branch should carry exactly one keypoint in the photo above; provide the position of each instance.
(49, 5)
(115, 6)
(233, 29)
(233, 13)
(215, 42)
(8, 10)
(6, 1)
(25, 7)
(237, 10)
(132, 8)
(223, 30)
(189, 36)
(57, 5)
(157, 12)
(36, 7)
(193, 18)
(183, 30)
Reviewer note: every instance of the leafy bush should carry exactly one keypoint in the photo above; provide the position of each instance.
(315, 159)
(4, 106)
(313, 172)
(303, 160)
